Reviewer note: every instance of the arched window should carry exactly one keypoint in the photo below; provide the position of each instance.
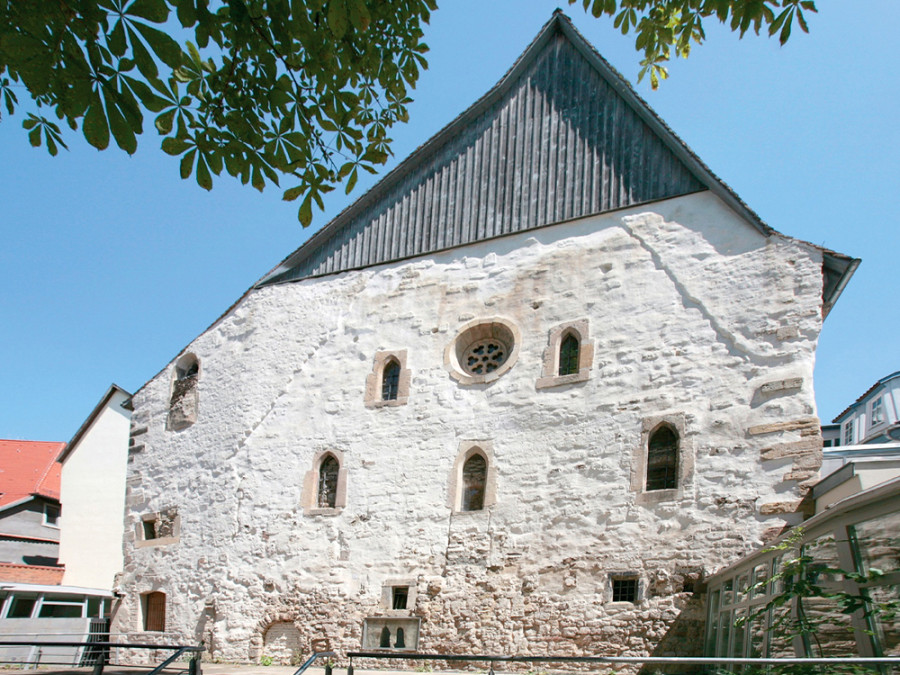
(474, 479)
(568, 355)
(390, 381)
(401, 642)
(184, 398)
(662, 459)
(328, 482)
(385, 642)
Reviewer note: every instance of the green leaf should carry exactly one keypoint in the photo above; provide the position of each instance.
(95, 126)
(304, 215)
(30, 122)
(337, 18)
(142, 58)
(152, 10)
(292, 193)
(204, 180)
(164, 121)
(51, 144)
(351, 182)
(187, 163)
(115, 39)
(174, 146)
(120, 128)
(359, 15)
(34, 137)
(162, 44)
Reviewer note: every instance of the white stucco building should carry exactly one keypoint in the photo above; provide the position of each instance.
(522, 397)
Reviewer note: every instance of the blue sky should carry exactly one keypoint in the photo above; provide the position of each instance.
(111, 264)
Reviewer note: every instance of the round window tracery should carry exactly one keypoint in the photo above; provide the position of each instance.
(482, 351)
(484, 357)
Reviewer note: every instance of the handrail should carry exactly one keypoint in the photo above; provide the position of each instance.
(687, 660)
(310, 660)
(179, 650)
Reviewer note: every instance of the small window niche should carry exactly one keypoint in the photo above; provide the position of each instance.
(388, 383)
(624, 588)
(663, 464)
(184, 399)
(153, 611)
(51, 515)
(569, 355)
(398, 596)
(158, 529)
(394, 633)
(325, 484)
(473, 480)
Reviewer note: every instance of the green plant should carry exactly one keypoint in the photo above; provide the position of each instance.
(265, 660)
(801, 580)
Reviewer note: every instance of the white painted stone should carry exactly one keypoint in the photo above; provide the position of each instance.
(682, 297)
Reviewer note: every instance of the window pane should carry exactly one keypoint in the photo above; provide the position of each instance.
(390, 381)
(878, 543)
(51, 610)
(21, 607)
(328, 480)
(662, 460)
(568, 355)
(474, 479)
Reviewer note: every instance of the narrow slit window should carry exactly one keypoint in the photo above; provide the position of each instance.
(568, 355)
(328, 480)
(474, 476)
(662, 460)
(390, 381)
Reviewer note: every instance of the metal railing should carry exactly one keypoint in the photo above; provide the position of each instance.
(317, 655)
(875, 661)
(101, 658)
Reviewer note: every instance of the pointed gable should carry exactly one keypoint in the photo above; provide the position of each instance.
(561, 136)
(554, 140)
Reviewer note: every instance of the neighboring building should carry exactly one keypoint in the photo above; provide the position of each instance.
(93, 492)
(29, 512)
(856, 528)
(76, 600)
(522, 397)
(873, 417)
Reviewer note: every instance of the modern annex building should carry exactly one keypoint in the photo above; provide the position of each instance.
(522, 397)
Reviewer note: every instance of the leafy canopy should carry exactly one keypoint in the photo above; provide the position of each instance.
(268, 90)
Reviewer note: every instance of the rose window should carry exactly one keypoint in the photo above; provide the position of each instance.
(484, 357)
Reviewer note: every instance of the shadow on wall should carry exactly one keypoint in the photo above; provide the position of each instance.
(684, 638)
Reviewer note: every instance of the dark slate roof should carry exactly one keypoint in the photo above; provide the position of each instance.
(561, 136)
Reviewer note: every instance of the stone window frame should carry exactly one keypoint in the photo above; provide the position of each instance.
(309, 497)
(141, 540)
(550, 376)
(685, 461)
(474, 331)
(455, 487)
(387, 595)
(374, 380)
(187, 371)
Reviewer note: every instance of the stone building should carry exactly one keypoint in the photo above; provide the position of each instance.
(520, 398)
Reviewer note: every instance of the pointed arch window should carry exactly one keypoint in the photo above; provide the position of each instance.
(390, 380)
(328, 482)
(388, 383)
(568, 355)
(183, 401)
(662, 459)
(325, 484)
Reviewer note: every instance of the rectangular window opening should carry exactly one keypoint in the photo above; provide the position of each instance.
(149, 525)
(400, 597)
(625, 589)
(51, 515)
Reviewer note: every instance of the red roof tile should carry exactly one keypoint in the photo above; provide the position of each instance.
(29, 468)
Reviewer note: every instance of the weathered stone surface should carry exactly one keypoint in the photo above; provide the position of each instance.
(805, 424)
(681, 299)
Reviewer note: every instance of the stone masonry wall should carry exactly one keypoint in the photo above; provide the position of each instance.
(696, 319)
